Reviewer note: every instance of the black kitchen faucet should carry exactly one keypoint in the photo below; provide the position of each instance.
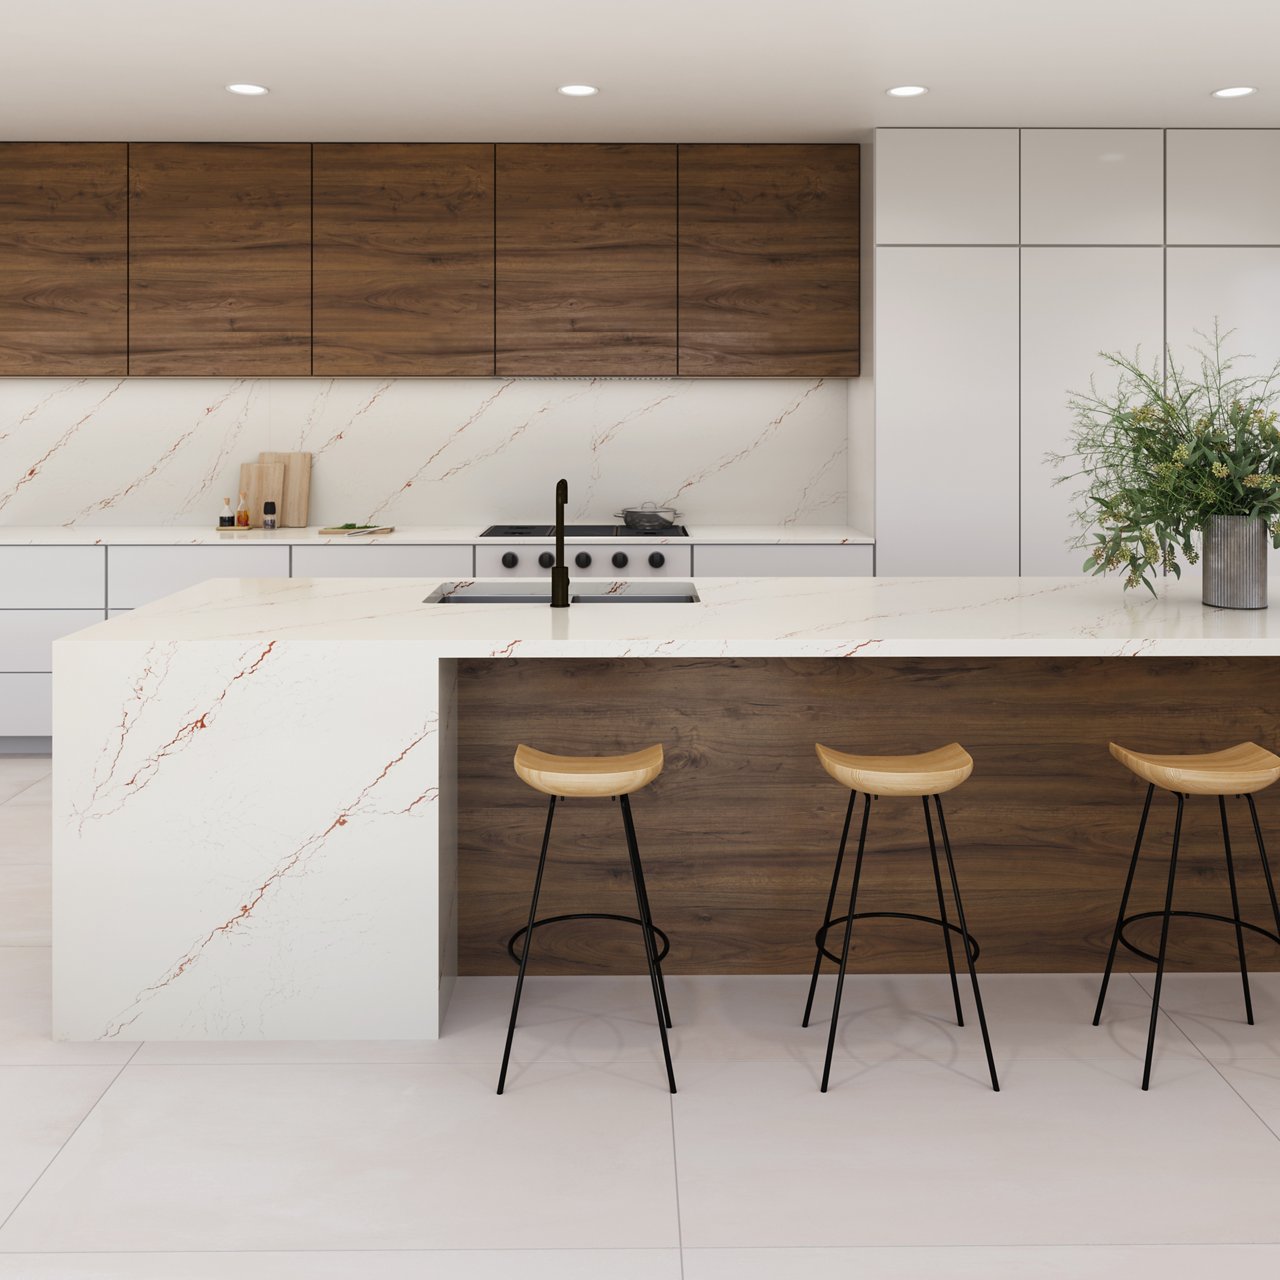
(560, 571)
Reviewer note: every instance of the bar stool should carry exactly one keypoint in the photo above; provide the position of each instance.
(927, 775)
(1238, 771)
(586, 777)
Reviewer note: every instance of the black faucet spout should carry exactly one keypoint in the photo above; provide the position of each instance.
(560, 573)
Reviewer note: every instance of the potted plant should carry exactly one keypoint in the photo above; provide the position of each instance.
(1169, 458)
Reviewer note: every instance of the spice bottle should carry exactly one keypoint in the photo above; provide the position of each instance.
(227, 517)
(242, 514)
(269, 514)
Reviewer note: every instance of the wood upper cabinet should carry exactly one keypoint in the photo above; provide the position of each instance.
(586, 259)
(403, 259)
(63, 226)
(220, 259)
(769, 260)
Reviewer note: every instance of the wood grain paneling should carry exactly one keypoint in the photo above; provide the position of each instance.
(586, 259)
(769, 260)
(403, 259)
(220, 259)
(739, 832)
(63, 224)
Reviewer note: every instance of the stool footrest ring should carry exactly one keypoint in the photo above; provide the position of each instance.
(820, 938)
(589, 915)
(1193, 915)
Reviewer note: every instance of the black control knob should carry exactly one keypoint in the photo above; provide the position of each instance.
(583, 560)
(620, 560)
(510, 559)
(656, 559)
(547, 560)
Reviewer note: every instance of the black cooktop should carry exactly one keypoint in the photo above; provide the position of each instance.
(581, 531)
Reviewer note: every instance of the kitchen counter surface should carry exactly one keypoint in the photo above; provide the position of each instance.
(815, 617)
(431, 535)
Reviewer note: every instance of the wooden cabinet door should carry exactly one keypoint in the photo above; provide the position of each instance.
(63, 227)
(220, 259)
(586, 259)
(769, 260)
(403, 266)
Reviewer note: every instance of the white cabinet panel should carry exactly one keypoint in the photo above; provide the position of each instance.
(783, 561)
(1075, 303)
(26, 705)
(1238, 286)
(1092, 186)
(52, 577)
(946, 411)
(137, 575)
(27, 635)
(1224, 186)
(375, 561)
(946, 186)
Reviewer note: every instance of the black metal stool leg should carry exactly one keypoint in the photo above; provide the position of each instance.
(1164, 942)
(1266, 866)
(848, 932)
(1235, 910)
(647, 914)
(650, 950)
(964, 938)
(528, 939)
(1124, 902)
(942, 913)
(831, 901)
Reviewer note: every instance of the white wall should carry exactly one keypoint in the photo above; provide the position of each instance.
(1115, 239)
(417, 451)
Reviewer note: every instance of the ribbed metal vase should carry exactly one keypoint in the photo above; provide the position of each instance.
(1235, 563)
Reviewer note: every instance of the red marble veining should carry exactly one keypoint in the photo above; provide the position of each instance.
(383, 388)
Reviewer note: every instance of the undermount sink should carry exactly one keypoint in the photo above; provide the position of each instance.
(537, 592)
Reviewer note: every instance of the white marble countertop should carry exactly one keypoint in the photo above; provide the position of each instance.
(837, 617)
(174, 535)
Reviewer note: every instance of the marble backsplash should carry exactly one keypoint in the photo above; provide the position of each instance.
(411, 451)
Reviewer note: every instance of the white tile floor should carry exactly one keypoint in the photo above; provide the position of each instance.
(396, 1161)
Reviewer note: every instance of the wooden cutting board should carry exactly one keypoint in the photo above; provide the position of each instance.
(297, 487)
(262, 482)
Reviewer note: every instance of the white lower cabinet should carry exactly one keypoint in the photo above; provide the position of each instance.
(783, 560)
(26, 704)
(380, 561)
(138, 575)
(27, 635)
(52, 577)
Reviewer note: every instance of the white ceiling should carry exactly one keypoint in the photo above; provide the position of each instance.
(715, 70)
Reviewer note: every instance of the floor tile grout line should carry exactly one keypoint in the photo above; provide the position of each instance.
(63, 1145)
(675, 1171)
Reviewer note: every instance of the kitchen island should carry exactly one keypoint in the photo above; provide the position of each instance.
(256, 780)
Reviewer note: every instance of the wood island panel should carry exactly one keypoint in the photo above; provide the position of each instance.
(403, 274)
(586, 259)
(63, 273)
(220, 259)
(769, 260)
(739, 833)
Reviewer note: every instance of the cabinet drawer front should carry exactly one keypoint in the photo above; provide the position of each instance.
(772, 560)
(382, 562)
(27, 635)
(138, 575)
(26, 705)
(52, 577)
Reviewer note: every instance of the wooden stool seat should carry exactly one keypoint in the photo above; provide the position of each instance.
(928, 774)
(1237, 771)
(587, 776)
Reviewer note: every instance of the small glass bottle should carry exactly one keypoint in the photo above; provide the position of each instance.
(242, 514)
(227, 518)
(269, 514)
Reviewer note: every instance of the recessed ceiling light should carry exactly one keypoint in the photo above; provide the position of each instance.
(907, 91)
(1238, 91)
(578, 90)
(248, 90)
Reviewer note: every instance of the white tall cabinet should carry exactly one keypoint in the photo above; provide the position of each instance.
(1008, 259)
